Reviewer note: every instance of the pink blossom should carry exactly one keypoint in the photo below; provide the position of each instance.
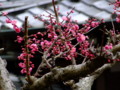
(94, 24)
(118, 19)
(48, 43)
(75, 27)
(72, 11)
(19, 39)
(18, 30)
(30, 69)
(32, 65)
(68, 57)
(109, 60)
(42, 43)
(23, 71)
(55, 36)
(49, 26)
(4, 13)
(14, 22)
(22, 56)
(49, 35)
(73, 32)
(33, 48)
(22, 65)
(64, 18)
(39, 33)
(81, 38)
(8, 21)
(73, 50)
(107, 47)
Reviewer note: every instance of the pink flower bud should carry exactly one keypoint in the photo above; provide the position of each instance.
(22, 65)
(14, 22)
(23, 71)
(118, 20)
(4, 13)
(81, 37)
(72, 11)
(8, 21)
(64, 18)
(18, 30)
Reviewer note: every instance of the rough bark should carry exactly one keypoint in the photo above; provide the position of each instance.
(67, 73)
(5, 82)
(87, 82)
(71, 72)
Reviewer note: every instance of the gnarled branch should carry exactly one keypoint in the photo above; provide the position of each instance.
(72, 72)
(5, 82)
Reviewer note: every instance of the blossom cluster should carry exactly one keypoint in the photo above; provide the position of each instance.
(12, 22)
(65, 39)
(117, 10)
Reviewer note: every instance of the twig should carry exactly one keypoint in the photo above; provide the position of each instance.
(84, 59)
(71, 72)
(113, 25)
(27, 50)
(55, 11)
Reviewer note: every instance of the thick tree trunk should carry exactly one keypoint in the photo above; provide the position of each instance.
(5, 82)
(84, 83)
(88, 71)
(87, 82)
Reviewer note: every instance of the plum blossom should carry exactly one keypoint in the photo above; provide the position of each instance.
(22, 65)
(73, 50)
(4, 13)
(94, 24)
(8, 21)
(23, 71)
(22, 56)
(19, 39)
(68, 38)
(108, 46)
(65, 18)
(17, 29)
(75, 27)
(72, 11)
(33, 48)
(81, 37)
(14, 22)
(118, 18)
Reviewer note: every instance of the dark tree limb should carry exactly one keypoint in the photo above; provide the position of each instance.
(72, 72)
(87, 82)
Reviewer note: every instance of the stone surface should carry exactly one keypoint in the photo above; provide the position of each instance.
(86, 8)
(90, 2)
(89, 10)
(81, 18)
(103, 15)
(36, 10)
(31, 20)
(63, 10)
(102, 4)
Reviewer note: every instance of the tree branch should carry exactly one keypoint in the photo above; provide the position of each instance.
(72, 72)
(87, 82)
